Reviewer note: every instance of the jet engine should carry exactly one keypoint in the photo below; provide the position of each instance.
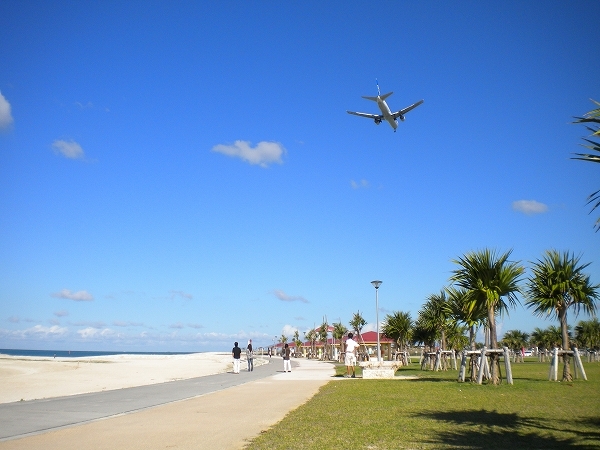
(401, 117)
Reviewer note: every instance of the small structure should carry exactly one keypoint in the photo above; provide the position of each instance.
(379, 370)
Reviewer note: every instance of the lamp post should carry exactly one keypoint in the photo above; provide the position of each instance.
(376, 285)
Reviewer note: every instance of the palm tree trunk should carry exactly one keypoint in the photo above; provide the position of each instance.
(562, 316)
(494, 357)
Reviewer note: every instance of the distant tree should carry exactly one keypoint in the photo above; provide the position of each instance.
(436, 314)
(283, 339)
(424, 334)
(398, 326)
(557, 285)
(456, 338)
(298, 342)
(471, 313)
(587, 334)
(339, 330)
(322, 333)
(592, 117)
(311, 336)
(491, 281)
(515, 340)
(357, 324)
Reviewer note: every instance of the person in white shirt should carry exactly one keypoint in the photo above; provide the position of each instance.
(350, 359)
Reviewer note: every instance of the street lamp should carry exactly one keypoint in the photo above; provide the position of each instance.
(376, 285)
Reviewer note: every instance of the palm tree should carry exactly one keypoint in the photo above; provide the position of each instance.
(515, 340)
(436, 314)
(472, 314)
(357, 324)
(424, 334)
(456, 338)
(592, 116)
(398, 326)
(297, 342)
(311, 336)
(491, 281)
(322, 333)
(588, 334)
(557, 285)
(339, 330)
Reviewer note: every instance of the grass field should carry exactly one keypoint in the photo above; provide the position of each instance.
(436, 411)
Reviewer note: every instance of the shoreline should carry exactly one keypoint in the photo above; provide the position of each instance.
(24, 378)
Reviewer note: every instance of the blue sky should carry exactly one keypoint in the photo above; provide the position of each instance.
(175, 176)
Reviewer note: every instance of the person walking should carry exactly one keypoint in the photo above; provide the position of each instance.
(350, 359)
(236, 352)
(250, 356)
(287, 364)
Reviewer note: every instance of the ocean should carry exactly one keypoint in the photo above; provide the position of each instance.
(78, 354)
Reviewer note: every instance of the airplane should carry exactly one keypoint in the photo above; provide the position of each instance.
(386, 113)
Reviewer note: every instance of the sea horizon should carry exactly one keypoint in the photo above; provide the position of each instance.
(81, 353)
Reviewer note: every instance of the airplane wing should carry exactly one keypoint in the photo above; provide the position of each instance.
(368, 116)
(407, 109)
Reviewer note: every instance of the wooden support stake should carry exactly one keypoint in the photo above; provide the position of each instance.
(463, 367)
(507, 366)
(579, 363)
(482, 365)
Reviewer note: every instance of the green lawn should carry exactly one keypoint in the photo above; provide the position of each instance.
(436, 411)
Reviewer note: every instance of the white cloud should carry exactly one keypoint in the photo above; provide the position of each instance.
(6, 118)
(40, 331)
(288, 298)
(69, 149)
(79, 296)
(61, 313)
(359, 184)
(263, 154)
(289, 330)
(95, 333)
(529, 207)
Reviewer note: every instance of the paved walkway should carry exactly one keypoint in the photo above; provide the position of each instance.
(225, 411)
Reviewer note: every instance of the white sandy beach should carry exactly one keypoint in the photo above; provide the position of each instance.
(29, 378)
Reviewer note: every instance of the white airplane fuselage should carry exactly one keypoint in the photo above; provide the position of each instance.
(386, 112)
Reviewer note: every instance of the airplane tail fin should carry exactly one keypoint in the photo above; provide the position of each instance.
(382, 97)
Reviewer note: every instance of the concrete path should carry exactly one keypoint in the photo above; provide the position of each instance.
(220, 411)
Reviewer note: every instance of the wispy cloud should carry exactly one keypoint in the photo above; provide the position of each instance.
(61, 313)
(288, 298)
(6, 118)
(79, 296)
(359, 184)
(529, 207)
(181, 294)
(89, 323)
(263, 154)
(121, 323)
(88, 105)
(68, 149)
